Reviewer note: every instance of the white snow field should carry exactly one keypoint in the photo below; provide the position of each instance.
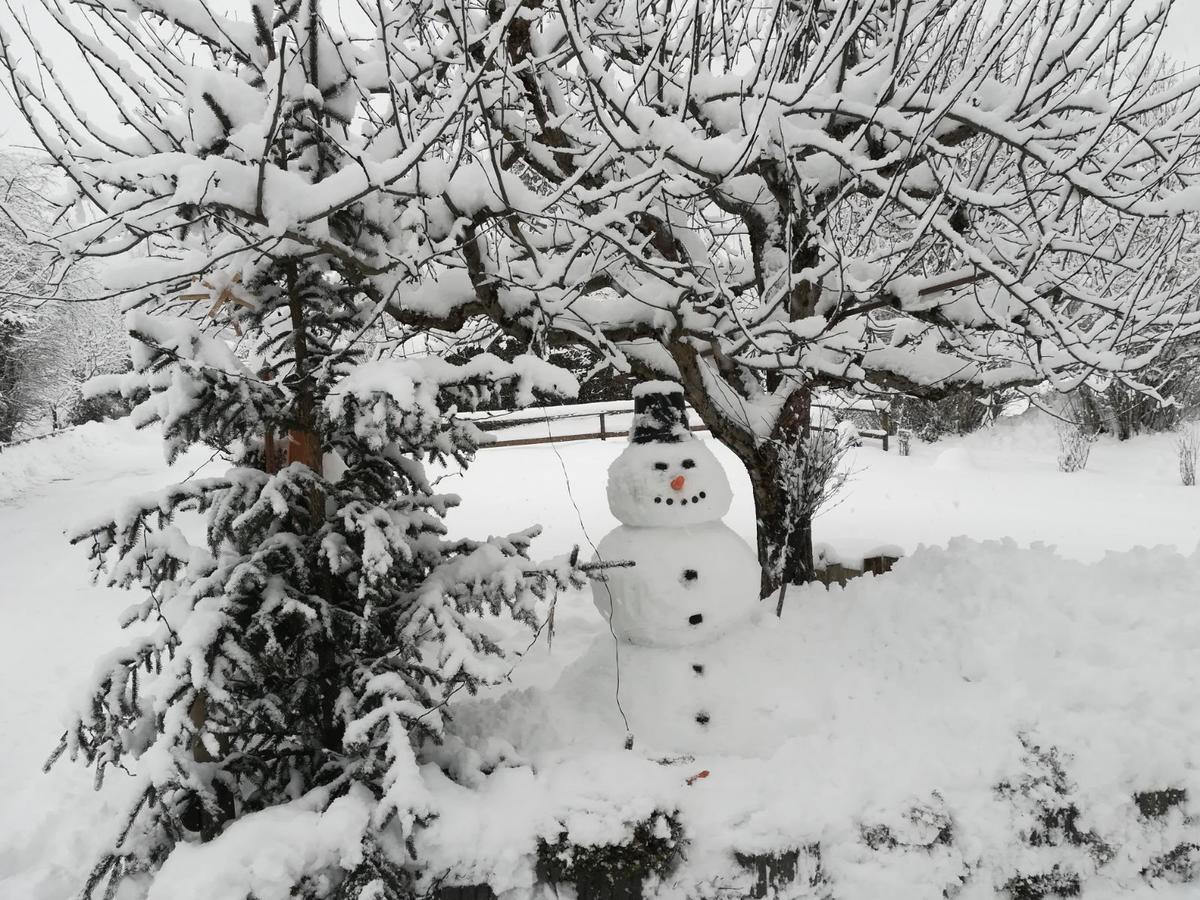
(908, 690)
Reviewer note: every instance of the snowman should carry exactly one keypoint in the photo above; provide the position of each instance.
(693, 579)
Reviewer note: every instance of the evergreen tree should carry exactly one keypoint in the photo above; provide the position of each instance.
(310, 638)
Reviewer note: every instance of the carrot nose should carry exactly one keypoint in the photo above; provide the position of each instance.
(677, 483)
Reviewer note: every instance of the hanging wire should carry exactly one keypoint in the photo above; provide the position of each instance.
(612, 606)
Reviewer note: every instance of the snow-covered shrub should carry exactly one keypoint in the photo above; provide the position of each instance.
(650, 850)
(960, 413)
(1179, 865)
(1176, 375)
(847, 434)
(1187, 448)
(1047, 814)
(794, 872)
(86, 408)
(1074, 446)
(812, 477)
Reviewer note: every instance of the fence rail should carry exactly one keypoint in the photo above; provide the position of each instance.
(503, 422)
(500, 422)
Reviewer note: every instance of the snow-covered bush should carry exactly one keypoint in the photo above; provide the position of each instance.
(1127, 412)
(961, 413)
(847, 434)
(651, 850)
(86, 407)
(1074, 445)
(1187, 448)
(814, 474)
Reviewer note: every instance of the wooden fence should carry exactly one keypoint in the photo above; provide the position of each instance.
(881, 434)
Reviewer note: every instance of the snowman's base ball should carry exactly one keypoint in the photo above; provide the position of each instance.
(689, 585)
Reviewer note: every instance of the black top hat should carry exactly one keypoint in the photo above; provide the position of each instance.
(659, 414)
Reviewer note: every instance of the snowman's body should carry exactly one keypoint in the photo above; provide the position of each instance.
(689, 584)
(693, 578)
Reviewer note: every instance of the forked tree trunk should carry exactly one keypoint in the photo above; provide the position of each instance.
(783, 532)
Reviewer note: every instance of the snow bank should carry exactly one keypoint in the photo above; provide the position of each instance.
(265, 854)
(954, 459)
(953, 686)
(884, 692)
(33, 464)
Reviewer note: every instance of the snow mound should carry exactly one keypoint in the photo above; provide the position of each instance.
(32, 464)
(646, 388)
(955, 459)
(853, 554)
(966, 682)
(263, 855)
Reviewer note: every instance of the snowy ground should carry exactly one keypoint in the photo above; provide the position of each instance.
(1003, 482)
(996, 484)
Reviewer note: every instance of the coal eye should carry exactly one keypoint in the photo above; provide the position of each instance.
(689, 464)
(662, 467)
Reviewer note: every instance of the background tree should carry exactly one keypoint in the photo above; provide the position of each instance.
(48, 345)
(309, 640)
(912, 196)
(760, 201)
(879, 195)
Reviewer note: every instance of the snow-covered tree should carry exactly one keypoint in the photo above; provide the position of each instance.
(51, 339)
(878, 195)
(302, 645)
(26, 291)
(758, 200)
(767, 198)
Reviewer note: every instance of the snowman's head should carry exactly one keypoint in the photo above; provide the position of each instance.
(679, 483)
(665, 476)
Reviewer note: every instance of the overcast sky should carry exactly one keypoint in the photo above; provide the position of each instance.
(1183, 31)
(1182, 40)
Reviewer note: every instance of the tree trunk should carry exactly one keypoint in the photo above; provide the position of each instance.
(784, 525)
(304, 443)
(783, 535)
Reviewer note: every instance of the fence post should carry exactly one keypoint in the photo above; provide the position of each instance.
(885, 419)
(603, 436)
